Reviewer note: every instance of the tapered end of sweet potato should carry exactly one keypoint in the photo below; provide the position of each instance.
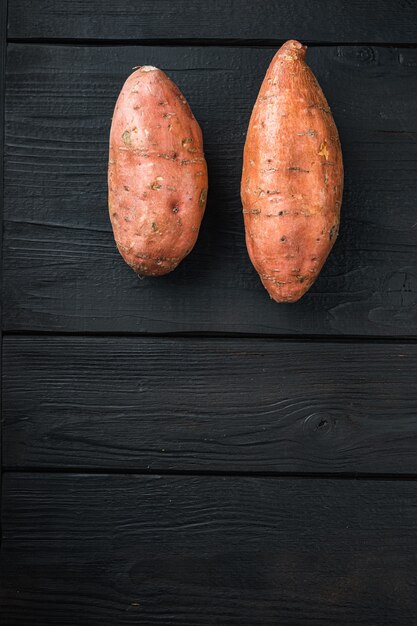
(290, 292)
(292, 50)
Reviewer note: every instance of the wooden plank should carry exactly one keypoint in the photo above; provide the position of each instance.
(320, 21)
(241, 405)
(62, 270)
(3, 33)
(151, 550)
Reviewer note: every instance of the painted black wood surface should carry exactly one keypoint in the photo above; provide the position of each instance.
(62, 270)
(3, 37)
(205, 404)
(105, 550)
(320, 21)
(197, 478)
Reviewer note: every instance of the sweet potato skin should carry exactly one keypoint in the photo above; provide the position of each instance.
(292, 178)
(157, 175)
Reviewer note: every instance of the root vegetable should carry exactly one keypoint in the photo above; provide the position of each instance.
(292, 179)
(157, 173)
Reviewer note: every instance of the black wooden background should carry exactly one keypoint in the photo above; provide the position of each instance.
(183, 450)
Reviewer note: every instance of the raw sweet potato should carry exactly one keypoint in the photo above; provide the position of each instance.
(292, 179)
(157, 173)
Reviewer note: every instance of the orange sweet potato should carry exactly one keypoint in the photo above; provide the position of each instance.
(157, 173)
(292, 179)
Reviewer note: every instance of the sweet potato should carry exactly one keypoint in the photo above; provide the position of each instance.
(157, 173)
(292, 179)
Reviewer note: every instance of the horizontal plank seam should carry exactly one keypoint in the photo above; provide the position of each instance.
(88, 471)
(304, 338)
(239, 43)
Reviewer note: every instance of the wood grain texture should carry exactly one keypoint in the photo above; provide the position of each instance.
(218, 405)
(122, 550)
(3, 32)
(264, 20)
(62, 270)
